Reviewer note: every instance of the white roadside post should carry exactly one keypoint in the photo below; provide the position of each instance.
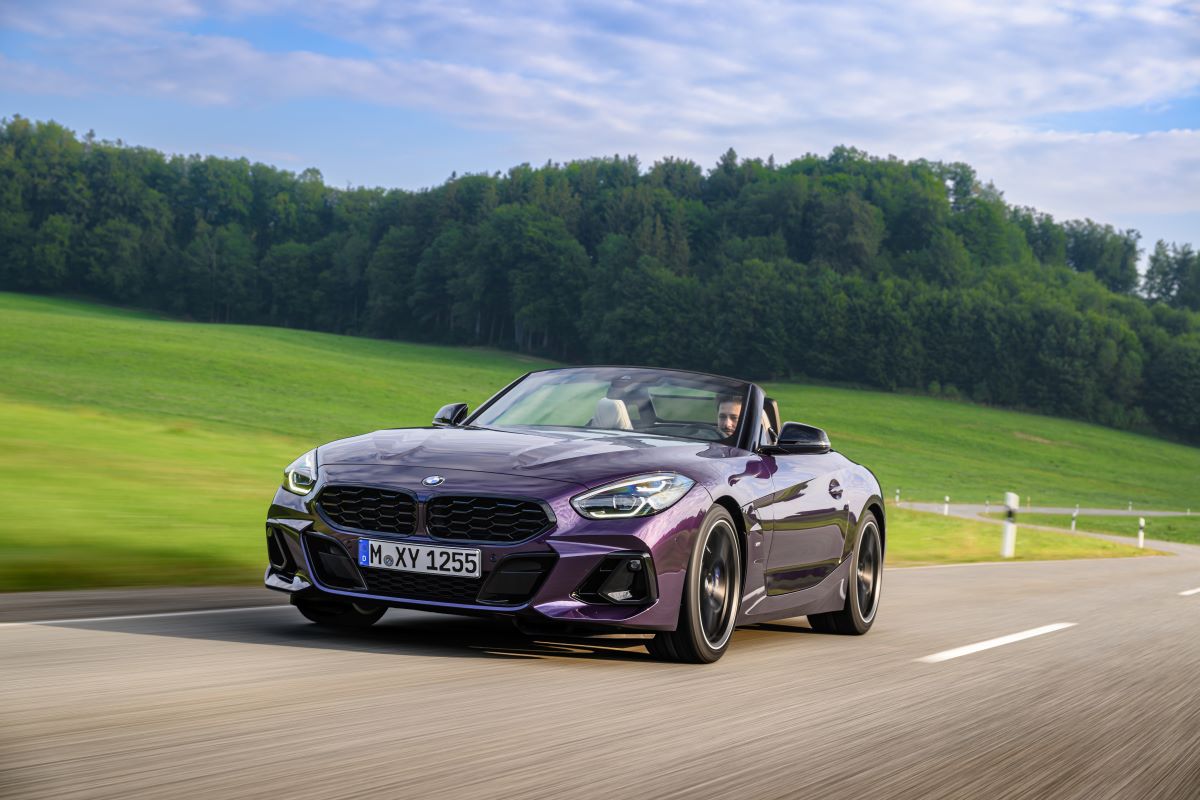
(946, 508)
(1012, 502)
(1141, 532)
(1131, 505)
(987, 507)
(897, 494)
(1074, 517)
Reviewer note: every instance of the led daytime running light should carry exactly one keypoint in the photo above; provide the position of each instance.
(301, 475)
(634, 497)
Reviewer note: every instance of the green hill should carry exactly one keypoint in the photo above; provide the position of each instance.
(140, 449)
(846, 268)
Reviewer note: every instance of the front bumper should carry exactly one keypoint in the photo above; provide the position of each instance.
(547, 571)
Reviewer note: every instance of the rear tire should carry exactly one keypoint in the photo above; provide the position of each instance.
(866, 581)
(341, 614)
(712, 594)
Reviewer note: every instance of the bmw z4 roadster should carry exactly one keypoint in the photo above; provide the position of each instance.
(591, 499)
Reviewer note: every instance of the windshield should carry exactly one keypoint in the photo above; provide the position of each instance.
(679, 404)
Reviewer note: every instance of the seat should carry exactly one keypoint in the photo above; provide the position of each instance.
(771, 410)
(612, 414)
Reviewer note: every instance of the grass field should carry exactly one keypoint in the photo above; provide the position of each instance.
(143, 450)
(1170, 529)
(916, 539)
(931, 448)
(92, 499)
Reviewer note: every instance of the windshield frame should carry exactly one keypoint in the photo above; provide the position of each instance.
(744, 389)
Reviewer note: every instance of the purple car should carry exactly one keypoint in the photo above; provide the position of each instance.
(588, 499)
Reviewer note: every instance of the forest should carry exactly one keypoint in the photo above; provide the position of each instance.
(846, 268)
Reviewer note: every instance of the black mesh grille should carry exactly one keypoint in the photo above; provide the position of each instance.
(419, 586)
(369, 509)
(485, 519)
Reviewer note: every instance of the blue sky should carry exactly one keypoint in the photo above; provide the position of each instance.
(1080, 108)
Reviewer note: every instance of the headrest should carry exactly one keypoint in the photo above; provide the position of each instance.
(612, 414)
(772, 408)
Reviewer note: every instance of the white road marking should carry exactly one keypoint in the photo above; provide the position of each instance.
(140, 616)
(1189, 592)
(946, 655)
(1010, 563)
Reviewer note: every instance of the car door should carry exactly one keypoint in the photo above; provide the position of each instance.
(807, 521)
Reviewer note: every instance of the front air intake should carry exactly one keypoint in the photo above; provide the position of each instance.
(278, 552)
(621, 579)
(331, 563)
(400, 585)
(514, 580)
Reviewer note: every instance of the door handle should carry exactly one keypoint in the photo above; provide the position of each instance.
(835, 490)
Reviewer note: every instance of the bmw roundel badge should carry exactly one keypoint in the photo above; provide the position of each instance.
(434, 480)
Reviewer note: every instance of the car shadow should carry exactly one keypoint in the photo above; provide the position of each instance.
(407, 633)
(776, 627)
(399, 633)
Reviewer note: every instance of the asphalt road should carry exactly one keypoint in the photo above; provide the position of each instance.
(258, 703)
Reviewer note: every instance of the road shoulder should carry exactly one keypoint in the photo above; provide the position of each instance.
(33, 606)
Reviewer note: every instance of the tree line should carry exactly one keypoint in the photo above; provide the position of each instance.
(894, 274)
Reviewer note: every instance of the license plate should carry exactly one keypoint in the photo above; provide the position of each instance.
(419, 558)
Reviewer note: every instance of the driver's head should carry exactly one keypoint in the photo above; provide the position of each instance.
(729, 411)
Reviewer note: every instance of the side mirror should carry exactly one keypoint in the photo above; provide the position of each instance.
(799, 439)
(451, 414)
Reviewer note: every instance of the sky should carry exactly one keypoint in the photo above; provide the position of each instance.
(1084, 108)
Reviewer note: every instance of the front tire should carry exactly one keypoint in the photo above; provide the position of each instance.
(866, 581)
(340, 614)
(712, 594)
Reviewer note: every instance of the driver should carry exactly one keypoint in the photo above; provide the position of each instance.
(729, 411)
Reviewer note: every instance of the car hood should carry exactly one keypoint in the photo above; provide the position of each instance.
(585, 457)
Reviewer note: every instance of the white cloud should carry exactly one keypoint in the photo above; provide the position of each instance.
(26, 77)
(56, 19)
(942, 79)
(1102, 175)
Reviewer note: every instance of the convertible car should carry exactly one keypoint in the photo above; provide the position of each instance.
(588, 499)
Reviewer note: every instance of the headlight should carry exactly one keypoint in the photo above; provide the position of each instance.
(633, 497)
(301, 474)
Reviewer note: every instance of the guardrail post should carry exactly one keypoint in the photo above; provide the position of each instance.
(1012, 501)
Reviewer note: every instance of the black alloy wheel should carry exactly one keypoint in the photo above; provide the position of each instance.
(869, 567)
(711, 596)
(866, 582)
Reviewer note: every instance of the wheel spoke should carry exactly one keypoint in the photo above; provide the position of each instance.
(721, 556)
(708, 617)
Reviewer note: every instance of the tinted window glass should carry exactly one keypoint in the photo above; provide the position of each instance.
(678, 404)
